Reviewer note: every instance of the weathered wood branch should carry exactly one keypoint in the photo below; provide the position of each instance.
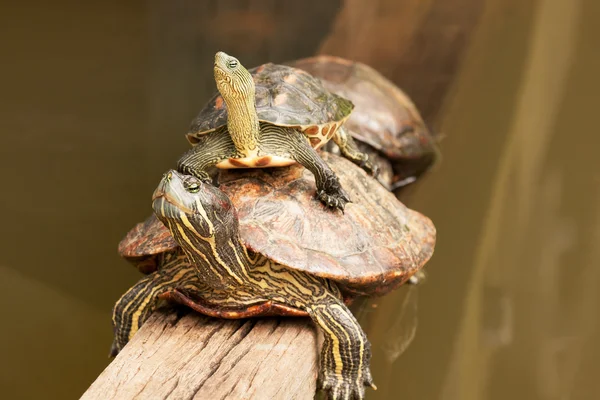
(197, 357)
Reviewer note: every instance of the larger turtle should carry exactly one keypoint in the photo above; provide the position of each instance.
(289, 256)
(271, 116)
(385, 122)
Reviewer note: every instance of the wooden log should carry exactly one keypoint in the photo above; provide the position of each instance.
(197, 357)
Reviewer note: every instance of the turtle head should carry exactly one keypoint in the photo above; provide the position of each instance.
(186, 204)
(233, 80)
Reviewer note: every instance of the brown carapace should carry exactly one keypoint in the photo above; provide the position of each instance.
(262, 246)
(385, 122)
(375, 246)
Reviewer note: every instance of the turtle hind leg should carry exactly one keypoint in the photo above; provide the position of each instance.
(209, 150)
(292, 144)
(350, 150)
(346, 352)
(138, 303)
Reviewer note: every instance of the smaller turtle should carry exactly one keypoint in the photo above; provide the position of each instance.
(385, 122)
(287, 256)
(271, 116)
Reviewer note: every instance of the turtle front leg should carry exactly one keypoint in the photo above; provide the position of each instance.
(138, 303)
(210, 149)
(350, 150)
(290, 143)
(346, 352)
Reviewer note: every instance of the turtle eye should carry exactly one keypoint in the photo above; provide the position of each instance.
(231, 64)
(192, 187)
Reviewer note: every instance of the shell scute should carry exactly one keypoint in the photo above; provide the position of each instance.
(374, 247)
(383, 111)
(285, 96)
(147, 238)
(368, 250)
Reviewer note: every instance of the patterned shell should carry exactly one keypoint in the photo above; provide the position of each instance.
(285, 96)
(376, 245)
(384, 116)
(371, 249)
(145, 242)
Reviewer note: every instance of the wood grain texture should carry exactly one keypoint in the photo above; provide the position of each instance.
(197, 357)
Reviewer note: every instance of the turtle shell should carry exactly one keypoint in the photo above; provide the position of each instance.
(285, 96)
(384, 116)
(376, 245)
(145, 242)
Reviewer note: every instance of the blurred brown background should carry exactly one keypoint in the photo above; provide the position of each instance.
(96, 98)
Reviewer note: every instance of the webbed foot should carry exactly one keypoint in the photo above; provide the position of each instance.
(350, 150)
(368, 166)
(207, 152)
(346, 353)
(339, 387)
(138, 303)
(114, 349)
(332, 194)
(201, 175)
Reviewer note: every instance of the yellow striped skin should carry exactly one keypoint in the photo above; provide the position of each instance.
(246, 142)
(237, 88)
(204, 223)
(345, 354)
(138, 303)
(276, 142)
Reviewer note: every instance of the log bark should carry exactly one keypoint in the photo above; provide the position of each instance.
(197, 357)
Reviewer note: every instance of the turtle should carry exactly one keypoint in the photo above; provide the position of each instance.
(258, 245)
(271, 116)
(385, 123)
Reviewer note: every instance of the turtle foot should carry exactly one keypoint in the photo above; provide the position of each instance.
(339, 387)
(201, 175)
(204, 178)
(332, 194)
(369, 167)
(114, 349)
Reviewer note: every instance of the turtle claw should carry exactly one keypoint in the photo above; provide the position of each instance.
(201, 175)
(336, 201)
(204, 178)
(338, 388)
(332, 195)
(207, 181)
(368, 378)
(369, 167)
(349, 384)
(114, 349)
